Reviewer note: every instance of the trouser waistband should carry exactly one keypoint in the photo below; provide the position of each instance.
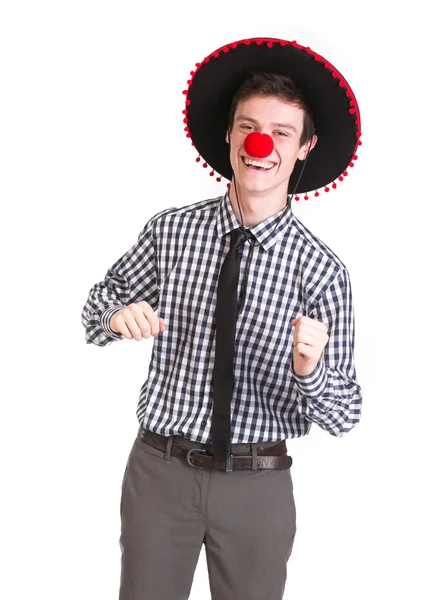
(243, 448)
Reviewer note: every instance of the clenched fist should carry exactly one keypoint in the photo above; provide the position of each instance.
(137, 320)
(310, 339)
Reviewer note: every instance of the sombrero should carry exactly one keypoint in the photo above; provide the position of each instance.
(213, 83)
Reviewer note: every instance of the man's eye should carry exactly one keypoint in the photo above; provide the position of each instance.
(246, 127)
(280, 133)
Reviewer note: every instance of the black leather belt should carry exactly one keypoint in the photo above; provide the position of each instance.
(272, 457)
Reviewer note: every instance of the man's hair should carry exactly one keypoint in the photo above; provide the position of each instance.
(272, 84)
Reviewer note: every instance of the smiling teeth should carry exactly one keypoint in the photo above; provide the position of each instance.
(257, 163)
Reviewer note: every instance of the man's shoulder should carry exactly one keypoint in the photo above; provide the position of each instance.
(186, 211)
(321, 266)
(316, 248)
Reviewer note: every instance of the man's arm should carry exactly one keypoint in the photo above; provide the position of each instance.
(131, 279)
(330, 396)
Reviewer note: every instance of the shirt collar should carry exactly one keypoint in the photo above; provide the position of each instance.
(266, 233)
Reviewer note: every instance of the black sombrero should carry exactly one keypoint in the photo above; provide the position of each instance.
(329, 96)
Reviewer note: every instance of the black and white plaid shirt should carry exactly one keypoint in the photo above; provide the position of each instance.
(175, 265)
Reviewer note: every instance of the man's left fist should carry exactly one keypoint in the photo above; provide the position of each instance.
(310, 339)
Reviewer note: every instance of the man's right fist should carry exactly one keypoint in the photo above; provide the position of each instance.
(137, 320)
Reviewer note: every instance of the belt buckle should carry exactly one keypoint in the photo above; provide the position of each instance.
(201, 450)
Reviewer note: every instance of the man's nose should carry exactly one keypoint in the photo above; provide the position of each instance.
(258, 144)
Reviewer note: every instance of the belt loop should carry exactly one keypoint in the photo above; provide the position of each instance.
(254, 457)
(169, 447)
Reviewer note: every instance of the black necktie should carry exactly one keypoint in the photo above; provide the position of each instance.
(223, 377)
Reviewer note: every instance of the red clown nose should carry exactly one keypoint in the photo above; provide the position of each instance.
(258, 144)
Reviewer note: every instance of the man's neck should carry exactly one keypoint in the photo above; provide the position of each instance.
(255, 209)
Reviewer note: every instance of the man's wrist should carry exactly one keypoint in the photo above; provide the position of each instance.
(106, 320)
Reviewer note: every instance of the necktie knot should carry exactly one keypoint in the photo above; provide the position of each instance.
(239, 236)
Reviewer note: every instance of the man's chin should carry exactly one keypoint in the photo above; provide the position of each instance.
(257, 188)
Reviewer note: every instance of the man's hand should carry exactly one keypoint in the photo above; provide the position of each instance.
(310, 339)
(137, 320)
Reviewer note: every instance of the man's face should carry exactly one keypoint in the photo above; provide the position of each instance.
(284, 123)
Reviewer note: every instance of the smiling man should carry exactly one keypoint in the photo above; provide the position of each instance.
(269, 104)
(254, 341)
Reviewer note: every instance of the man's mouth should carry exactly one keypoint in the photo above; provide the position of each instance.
(258, 165)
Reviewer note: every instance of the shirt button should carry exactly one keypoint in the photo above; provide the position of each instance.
(204, 423)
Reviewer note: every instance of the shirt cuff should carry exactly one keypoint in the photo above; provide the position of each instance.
(312, 385)
(105, 322)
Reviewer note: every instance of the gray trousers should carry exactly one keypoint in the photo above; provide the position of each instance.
(246, 519)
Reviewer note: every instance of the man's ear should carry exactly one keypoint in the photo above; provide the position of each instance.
(303, 151)
(227, 136)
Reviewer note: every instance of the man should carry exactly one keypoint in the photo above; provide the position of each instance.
(254, 341)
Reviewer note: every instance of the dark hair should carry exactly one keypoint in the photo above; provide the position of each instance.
(272, 84)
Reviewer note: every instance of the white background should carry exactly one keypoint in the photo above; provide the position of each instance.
(92, 146)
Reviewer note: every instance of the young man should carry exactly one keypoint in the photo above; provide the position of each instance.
(254, 341)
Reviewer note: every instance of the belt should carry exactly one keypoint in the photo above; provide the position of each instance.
(272, 457)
